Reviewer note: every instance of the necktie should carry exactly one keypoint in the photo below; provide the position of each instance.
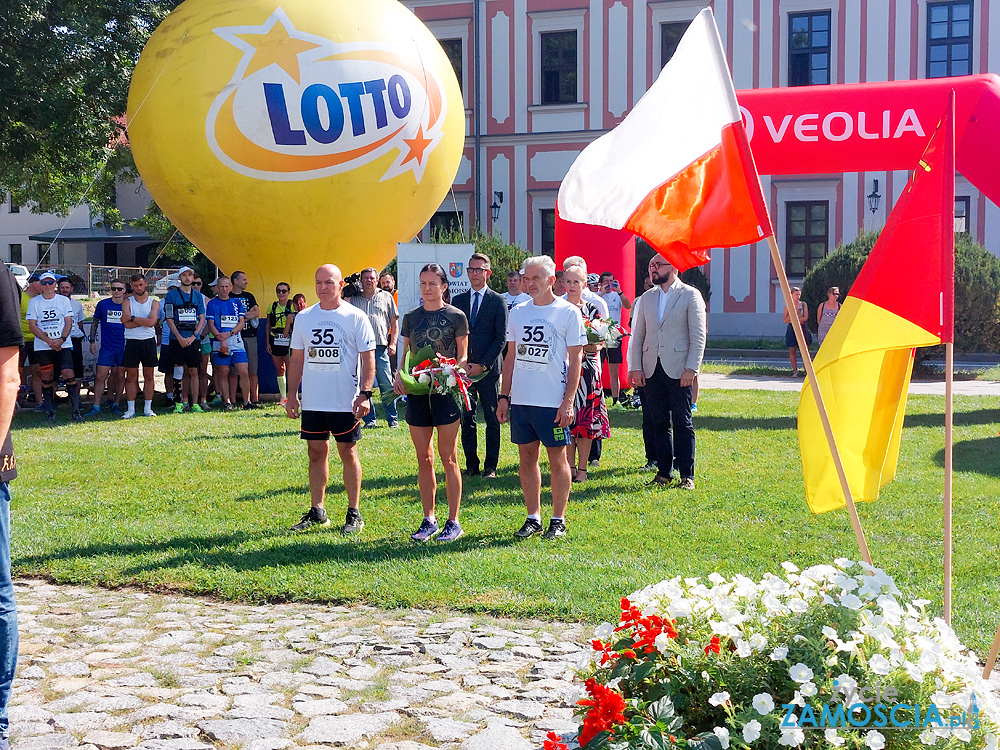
(475, 307)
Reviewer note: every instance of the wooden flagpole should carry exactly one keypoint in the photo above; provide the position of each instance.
(992, 658)
(786, 292)
(949, 366)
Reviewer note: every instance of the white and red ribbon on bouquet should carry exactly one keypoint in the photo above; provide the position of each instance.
(442, 365)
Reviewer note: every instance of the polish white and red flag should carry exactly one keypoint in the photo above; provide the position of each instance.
(678, 170)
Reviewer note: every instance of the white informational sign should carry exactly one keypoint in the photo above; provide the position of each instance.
(412, 256)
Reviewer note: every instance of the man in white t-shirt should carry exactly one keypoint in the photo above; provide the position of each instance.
(514, 296)
(541, 372)
(50, 319)
(333, 357)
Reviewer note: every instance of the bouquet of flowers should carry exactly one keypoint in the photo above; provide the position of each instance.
(603, 331)
(435, 373)
(827, 657)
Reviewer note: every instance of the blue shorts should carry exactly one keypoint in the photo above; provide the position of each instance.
(109, 356)
(532, 424)
(237, 357)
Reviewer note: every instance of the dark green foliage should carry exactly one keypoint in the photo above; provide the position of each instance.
(65, 68)
(504, 256)
(977, 289)
(644, 252)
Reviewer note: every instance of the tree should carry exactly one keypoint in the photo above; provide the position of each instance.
(977, 289)
(65, 67)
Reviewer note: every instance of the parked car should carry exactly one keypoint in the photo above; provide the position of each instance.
(20, 273)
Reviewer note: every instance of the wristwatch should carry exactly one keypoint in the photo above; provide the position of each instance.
(132, 318)
(504, 396)
(366, 394)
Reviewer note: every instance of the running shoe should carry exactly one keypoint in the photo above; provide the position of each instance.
(77, 416)
(452, 530)
(94, 411)
(178, 409)
(427, 529)
(353, 523)
(530, 528)
(557, 528)
(196, 408)
(314, 517)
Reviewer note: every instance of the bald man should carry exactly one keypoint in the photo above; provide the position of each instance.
(333, 357)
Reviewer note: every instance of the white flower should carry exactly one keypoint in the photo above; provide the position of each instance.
(424, 378)
(798, 700)
(743, 649)
(751, 731)
(763, 703)
(662, 643)
(833, 738)
(831, 661)
(706, 676)
(716, 578)
(790, 567)
(797, 605)
(758, 642)
(962, 734)
(723, 734)
(991, 742)
(875, 740)
(604, 631)
(791, 736)
(809, 689)
(779, 653)
(800, 672)
(879, 665)
(845, 684)
(928, 737)
(851, 602)
(718, 699)
(830, 633)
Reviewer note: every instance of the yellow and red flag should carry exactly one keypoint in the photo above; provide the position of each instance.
(903, 298)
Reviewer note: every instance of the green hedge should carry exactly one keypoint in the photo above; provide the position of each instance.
(977, 288)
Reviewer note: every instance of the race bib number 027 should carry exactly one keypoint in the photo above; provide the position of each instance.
(532, 352)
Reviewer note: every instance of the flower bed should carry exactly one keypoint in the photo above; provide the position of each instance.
(825, 657)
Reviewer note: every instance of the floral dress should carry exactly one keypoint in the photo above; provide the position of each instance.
(591, 413)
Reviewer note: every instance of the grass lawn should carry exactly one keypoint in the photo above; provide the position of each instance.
(201, 503)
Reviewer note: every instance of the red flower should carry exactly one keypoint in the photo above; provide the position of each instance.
(606, 710)
(714, 645)
(605, 650)
(649, 628)
(554, 742)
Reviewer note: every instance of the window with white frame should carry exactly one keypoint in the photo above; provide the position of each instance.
(809, 48)
(949, 38)
(962, 207)
(559, 67)
(807, 235)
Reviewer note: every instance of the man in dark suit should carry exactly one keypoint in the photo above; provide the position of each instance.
(487, 314)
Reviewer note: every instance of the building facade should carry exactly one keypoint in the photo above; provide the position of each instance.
(543, 78)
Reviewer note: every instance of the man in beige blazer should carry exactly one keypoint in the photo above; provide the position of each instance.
(664, 355)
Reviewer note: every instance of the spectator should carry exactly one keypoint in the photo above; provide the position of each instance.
(667, 347)
(336, 383)
(828, 312)
(559, 288)
(51, 318)
(514, 296)
(140, 313)
(279, 332)
(173, 376)
(299, 300)
(382, 313)
(184, 309)
(541, 373)
(444, 328)
(487, 316)
(28, 360)
(616, 300)
(65, 288)
(387, 282)
(108, 321)
(205, 346)
(802, 313)
(226, 324)
(10, 340)
(591, 421)
(251, 312)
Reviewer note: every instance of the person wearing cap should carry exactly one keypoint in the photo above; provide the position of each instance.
(29, 366)
(50, 318)
(226, 324)
(172, 376)
(184, 311)
(251, 312)
(108, 322)
(65, 287)
(140, 313)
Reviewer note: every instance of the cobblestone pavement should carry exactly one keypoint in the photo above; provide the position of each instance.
(110, 670)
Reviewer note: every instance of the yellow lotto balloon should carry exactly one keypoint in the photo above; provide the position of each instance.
(279, 136)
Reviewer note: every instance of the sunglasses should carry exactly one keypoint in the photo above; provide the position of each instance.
(284, 291)
(195, 283)
(48, 282)
(117, 289)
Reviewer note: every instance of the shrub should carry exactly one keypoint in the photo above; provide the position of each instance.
(977, 289)
(789, 661)
(504, 256)
(644, 252)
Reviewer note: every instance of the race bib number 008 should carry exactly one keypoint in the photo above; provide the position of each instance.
(324, 358)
